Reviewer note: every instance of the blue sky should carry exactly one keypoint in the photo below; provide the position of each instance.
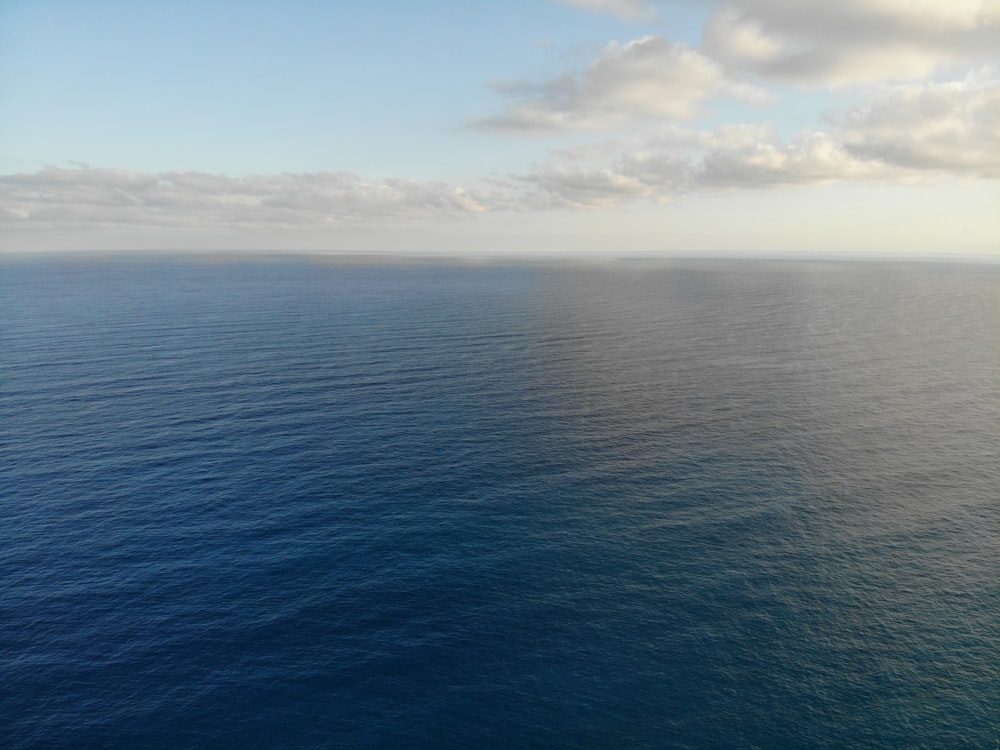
(386, 89)
(591, 126)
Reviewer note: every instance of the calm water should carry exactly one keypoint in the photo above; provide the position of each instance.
(288, 504)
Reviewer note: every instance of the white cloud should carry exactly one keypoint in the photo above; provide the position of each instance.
(649, 77)
(630, 10)
(683, 161)
(821, 42)
(570, 186)
(905, 133)
(811, 159)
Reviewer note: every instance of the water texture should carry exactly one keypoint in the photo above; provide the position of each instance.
(294, 504)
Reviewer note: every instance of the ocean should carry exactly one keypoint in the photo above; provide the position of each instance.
(307, 503)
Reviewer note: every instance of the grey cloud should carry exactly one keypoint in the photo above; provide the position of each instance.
(649, 77)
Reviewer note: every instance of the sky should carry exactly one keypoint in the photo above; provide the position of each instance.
(528, 127)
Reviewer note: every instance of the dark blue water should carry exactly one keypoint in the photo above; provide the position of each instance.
(288, 504)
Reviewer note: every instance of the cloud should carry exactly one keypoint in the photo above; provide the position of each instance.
(949, 127)
(630, 10)
(812, 158)
(88, 196)
(812, 42)
(554, 186)
(649, 77)
(800, 42)
(684, 161)
(905, 133)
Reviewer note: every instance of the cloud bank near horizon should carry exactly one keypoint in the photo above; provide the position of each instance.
(914, 86)
(906, 132)
(83, 195)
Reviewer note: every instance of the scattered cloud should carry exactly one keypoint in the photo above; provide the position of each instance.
(799, 42)
(817, 42)
(630, 10)
(649, 77)
(904, 132)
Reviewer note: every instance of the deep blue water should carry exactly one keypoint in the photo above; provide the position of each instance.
(293, 504)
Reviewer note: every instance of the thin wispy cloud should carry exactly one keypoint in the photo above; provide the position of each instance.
(66, 197)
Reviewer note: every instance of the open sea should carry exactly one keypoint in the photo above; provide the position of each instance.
(303, 504)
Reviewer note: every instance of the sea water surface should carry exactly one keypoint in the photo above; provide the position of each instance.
(288, 503)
